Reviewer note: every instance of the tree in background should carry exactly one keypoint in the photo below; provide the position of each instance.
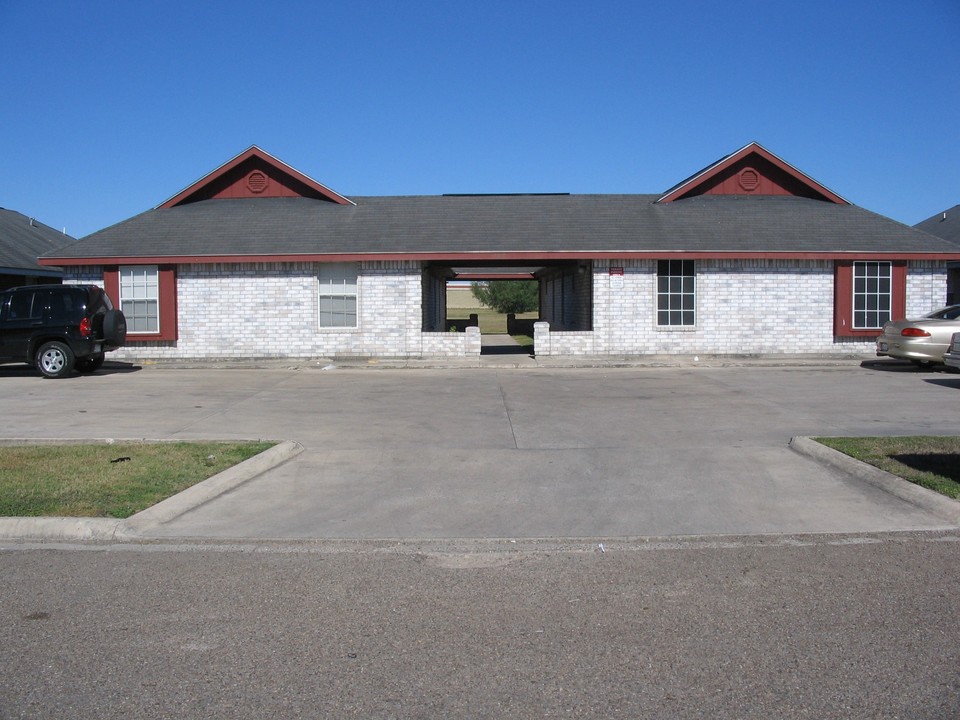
(508, 296)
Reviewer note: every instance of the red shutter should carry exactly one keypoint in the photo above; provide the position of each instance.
(111, 284)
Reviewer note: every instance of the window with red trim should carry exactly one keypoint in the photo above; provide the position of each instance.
(140, 298)
(147, 294)
(868, 293)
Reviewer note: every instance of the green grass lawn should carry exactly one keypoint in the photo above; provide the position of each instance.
(491, 322)
(929, 461)
(116, 480)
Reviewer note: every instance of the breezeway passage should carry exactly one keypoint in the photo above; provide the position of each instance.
(515, 453)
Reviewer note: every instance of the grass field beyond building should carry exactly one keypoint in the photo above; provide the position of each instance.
(461, 304)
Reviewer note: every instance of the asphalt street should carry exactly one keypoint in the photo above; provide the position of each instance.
(826, 627)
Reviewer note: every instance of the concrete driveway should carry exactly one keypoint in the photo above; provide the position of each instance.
(514, 453)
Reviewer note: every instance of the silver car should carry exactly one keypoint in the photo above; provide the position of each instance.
(952, 356)
(922, 341)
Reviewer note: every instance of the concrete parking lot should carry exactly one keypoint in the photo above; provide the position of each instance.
(514, 453)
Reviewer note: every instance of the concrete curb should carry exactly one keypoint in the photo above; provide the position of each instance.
(933, 502)
(53, 529)
(519, 361)
(197, 495)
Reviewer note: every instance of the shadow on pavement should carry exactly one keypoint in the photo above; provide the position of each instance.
(116, 368)
(17, 371)
(953, 383)
(904, 366)
(506, 350)
(109, 368)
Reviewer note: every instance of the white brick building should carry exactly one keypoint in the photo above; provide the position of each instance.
(749, 256)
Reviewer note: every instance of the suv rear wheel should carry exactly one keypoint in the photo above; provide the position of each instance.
(54, 359)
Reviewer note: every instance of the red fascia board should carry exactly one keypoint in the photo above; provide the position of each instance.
(254, 151)
(752, 148)
(494, 276)
(544, 256)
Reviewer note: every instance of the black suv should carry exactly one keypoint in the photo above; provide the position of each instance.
(59, 328)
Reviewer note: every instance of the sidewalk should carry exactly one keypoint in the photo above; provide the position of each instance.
(509, 357)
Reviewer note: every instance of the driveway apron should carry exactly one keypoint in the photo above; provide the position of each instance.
(518, 453)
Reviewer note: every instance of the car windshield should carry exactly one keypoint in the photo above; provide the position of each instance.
(947, 313)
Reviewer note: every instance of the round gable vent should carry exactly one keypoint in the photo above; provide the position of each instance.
(749, 179)
(257, 182)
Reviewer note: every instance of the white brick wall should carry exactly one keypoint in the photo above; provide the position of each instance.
(751, 307)
(85, 275)
(452, 344)
(743, 307)
(271, 310)
(926, 283)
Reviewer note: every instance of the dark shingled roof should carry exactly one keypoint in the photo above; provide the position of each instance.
(23, 240)
(944, 225)
(503, 224)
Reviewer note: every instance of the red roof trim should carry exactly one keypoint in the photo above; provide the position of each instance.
(706, 174)
(251, 152)
(494, 276)
(541, 257)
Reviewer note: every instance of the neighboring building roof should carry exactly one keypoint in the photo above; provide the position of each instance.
(944, 225)
(748, 204)
(23, 240)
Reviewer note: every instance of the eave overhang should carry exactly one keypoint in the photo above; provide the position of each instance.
(525, 256)
(31, 271)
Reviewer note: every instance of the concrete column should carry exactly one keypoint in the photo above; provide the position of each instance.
(541, 338)
(473, 341)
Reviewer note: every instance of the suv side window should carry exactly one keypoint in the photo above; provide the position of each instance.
(56, 306)
(22, 307)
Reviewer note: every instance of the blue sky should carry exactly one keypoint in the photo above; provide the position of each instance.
(109, 108)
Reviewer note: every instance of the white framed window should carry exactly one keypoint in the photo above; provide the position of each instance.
(676, 293)
(338, 295)
(872, 293)
(140, 298)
